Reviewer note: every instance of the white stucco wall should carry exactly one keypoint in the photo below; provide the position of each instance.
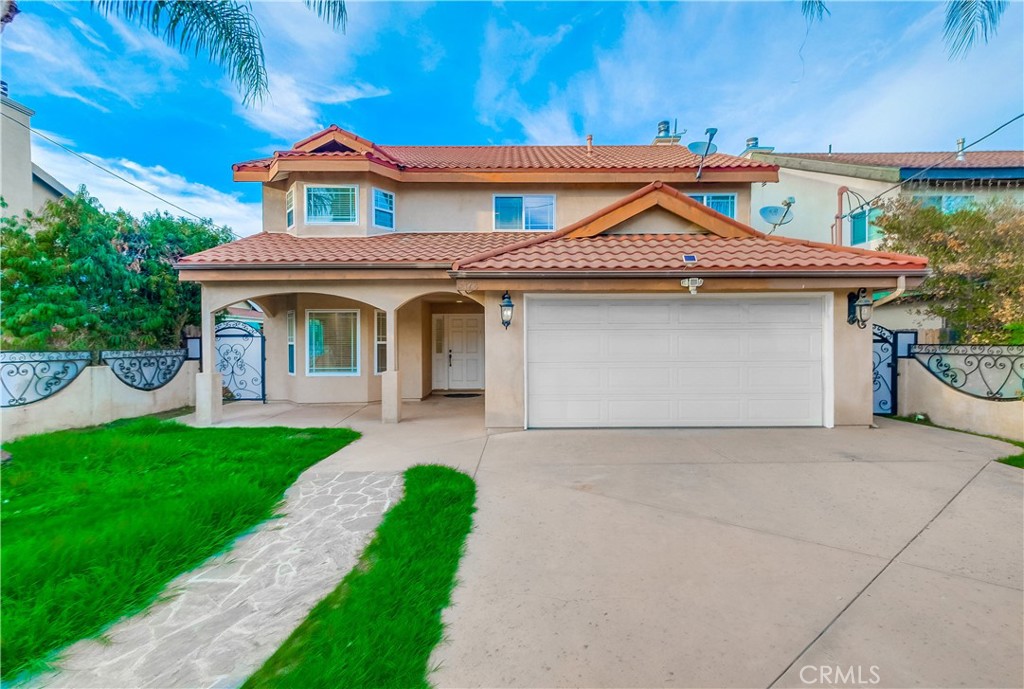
(16, 157)
(96, 396)
(920, 392)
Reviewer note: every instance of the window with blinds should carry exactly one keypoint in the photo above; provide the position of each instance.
(289, 208)
(332, 205)
(531, 212)
(383, 209)
(723, 203)
(291, 343)
(380, 340)
(333, 343)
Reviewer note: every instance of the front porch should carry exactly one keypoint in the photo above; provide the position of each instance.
(352, 349)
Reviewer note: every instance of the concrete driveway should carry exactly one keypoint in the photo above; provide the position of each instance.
(888, 557)
(740, 558)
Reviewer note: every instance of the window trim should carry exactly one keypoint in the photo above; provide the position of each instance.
(290, 330)
(359, 353)
(305, 203)
(705, 194)
(379, 339)
(494, 215)
(393, 211)
(289, 207)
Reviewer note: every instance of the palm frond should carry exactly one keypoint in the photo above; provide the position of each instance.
(970, 21)
(331, 11)
(225, 31)
(814, 10)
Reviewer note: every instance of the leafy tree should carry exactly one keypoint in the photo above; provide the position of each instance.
(75, 276)
(977, 260)
(226, 31)
(968, 22)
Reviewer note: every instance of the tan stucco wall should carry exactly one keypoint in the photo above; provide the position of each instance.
(15, 158)
(920, 392)
(656, 220)
(449, 207)
(504, 404)
(815, 209)
(905, 317)
(96, 396)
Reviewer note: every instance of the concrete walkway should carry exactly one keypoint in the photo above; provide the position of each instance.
(223, 620)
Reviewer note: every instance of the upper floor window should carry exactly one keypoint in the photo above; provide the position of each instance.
(723, 203)
(530, 212)
(862, 226)
(947, 203)
(289, 208)
(337, 204)
(383, 209)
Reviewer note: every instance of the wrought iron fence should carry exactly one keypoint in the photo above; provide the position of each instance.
(27, 377)
(991, 372)
(149, 370)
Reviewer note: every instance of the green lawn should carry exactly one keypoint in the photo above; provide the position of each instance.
(97, 521)
(378, 627)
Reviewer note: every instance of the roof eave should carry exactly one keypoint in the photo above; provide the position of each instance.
(313, 265)
(680, 274)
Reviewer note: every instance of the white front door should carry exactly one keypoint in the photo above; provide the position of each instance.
(460, 365)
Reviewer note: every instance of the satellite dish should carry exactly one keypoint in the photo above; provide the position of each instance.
(776, 215)
(702, 148)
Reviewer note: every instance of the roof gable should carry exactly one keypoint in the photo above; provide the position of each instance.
(334, 139)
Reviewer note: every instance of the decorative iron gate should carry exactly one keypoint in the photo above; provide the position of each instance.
(888, 346)
(241, 360)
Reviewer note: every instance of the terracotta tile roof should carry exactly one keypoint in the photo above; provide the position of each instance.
(664, 252)
(502, 158)
(560, 158)
(939, 159)
(433, 249)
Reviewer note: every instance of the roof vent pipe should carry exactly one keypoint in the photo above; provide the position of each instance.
(752, 142)
(590, 144)
(960, 149)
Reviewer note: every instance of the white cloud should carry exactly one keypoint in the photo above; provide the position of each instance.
(310, 65)
(509, 59)
(871, 76)
(206, 202)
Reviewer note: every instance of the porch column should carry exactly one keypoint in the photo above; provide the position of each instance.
(391, 382)
(209, 396)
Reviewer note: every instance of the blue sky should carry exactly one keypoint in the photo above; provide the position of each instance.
(872, 76)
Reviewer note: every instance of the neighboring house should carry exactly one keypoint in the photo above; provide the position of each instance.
(574, 285)
(832, 190)
(247, 312)
(24, 185)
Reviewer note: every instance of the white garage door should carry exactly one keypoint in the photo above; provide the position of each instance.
(687, 361)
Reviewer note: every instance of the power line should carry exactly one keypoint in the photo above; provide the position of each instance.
(114, 174)
(1004, 125)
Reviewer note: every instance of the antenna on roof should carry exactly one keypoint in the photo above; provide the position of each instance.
(704, 149)
(778, 215)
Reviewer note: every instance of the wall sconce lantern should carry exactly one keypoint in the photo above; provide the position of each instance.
(506, 310)
(858, 308)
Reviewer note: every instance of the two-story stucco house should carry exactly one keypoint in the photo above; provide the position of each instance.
(580, 285)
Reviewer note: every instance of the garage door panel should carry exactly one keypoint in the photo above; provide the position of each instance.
(674, 362)
(553, 378)
(786, 345)
(625, 378)
(710, 345)
(638, 344)
(639, 314)
(564, 346)
(707, 313)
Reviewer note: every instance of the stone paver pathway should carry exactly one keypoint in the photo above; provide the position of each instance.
(232, 613)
